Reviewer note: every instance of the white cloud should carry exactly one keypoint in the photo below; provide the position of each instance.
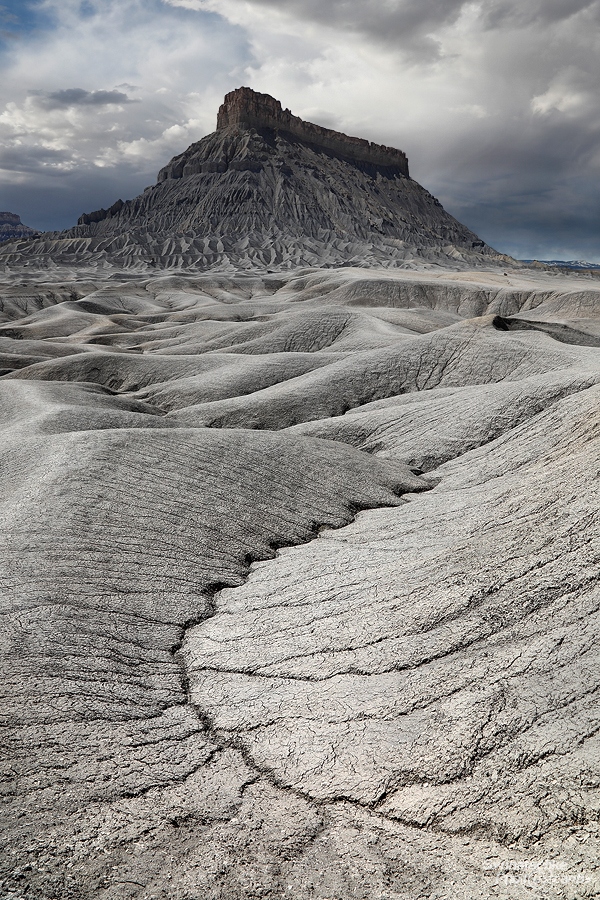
(115, 84)
(495, 101)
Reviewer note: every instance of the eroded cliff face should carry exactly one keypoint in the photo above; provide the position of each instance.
(267, 190)
(248, 109)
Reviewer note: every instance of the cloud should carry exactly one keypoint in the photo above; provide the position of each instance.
(398, 21)
(7, 17)
(516, 14)
(78, 97)
(406, 25)
(106, 94)
(495, 101)
(22, 160)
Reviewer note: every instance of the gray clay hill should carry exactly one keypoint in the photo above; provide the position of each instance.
(268, 190)
(299, 570)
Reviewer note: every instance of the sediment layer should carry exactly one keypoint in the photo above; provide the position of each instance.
(246, 108)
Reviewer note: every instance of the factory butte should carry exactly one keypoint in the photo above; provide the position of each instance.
(268, 190)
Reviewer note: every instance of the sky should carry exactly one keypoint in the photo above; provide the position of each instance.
(496, 103)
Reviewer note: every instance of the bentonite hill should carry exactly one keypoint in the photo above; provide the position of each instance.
(267, 189)
(300, 569)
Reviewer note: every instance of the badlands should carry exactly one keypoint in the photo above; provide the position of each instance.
(300, 527)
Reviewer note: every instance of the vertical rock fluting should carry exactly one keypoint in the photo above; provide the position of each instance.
(267, 190)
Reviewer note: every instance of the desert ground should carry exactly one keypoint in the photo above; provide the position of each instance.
(300, 584)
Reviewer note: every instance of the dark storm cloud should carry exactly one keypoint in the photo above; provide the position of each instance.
(79, 97)
(53, 203)
(529, 185)
(34, 159)
(543, 220)
(405, 24)
(403, 20)
(515, 13)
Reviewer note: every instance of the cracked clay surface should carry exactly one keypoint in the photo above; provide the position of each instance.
(300, 587)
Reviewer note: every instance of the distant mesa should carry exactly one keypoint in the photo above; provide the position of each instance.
(267, 190)
(11, 227)
(574, 264)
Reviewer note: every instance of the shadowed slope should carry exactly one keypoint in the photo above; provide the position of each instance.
(89, 650)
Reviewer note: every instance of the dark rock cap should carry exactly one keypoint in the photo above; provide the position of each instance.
(12, 228)
(8, 218)
(246, 108)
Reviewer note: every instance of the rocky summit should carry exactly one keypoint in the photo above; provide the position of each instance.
(268, 190)
(11, 227)
(299, 570)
